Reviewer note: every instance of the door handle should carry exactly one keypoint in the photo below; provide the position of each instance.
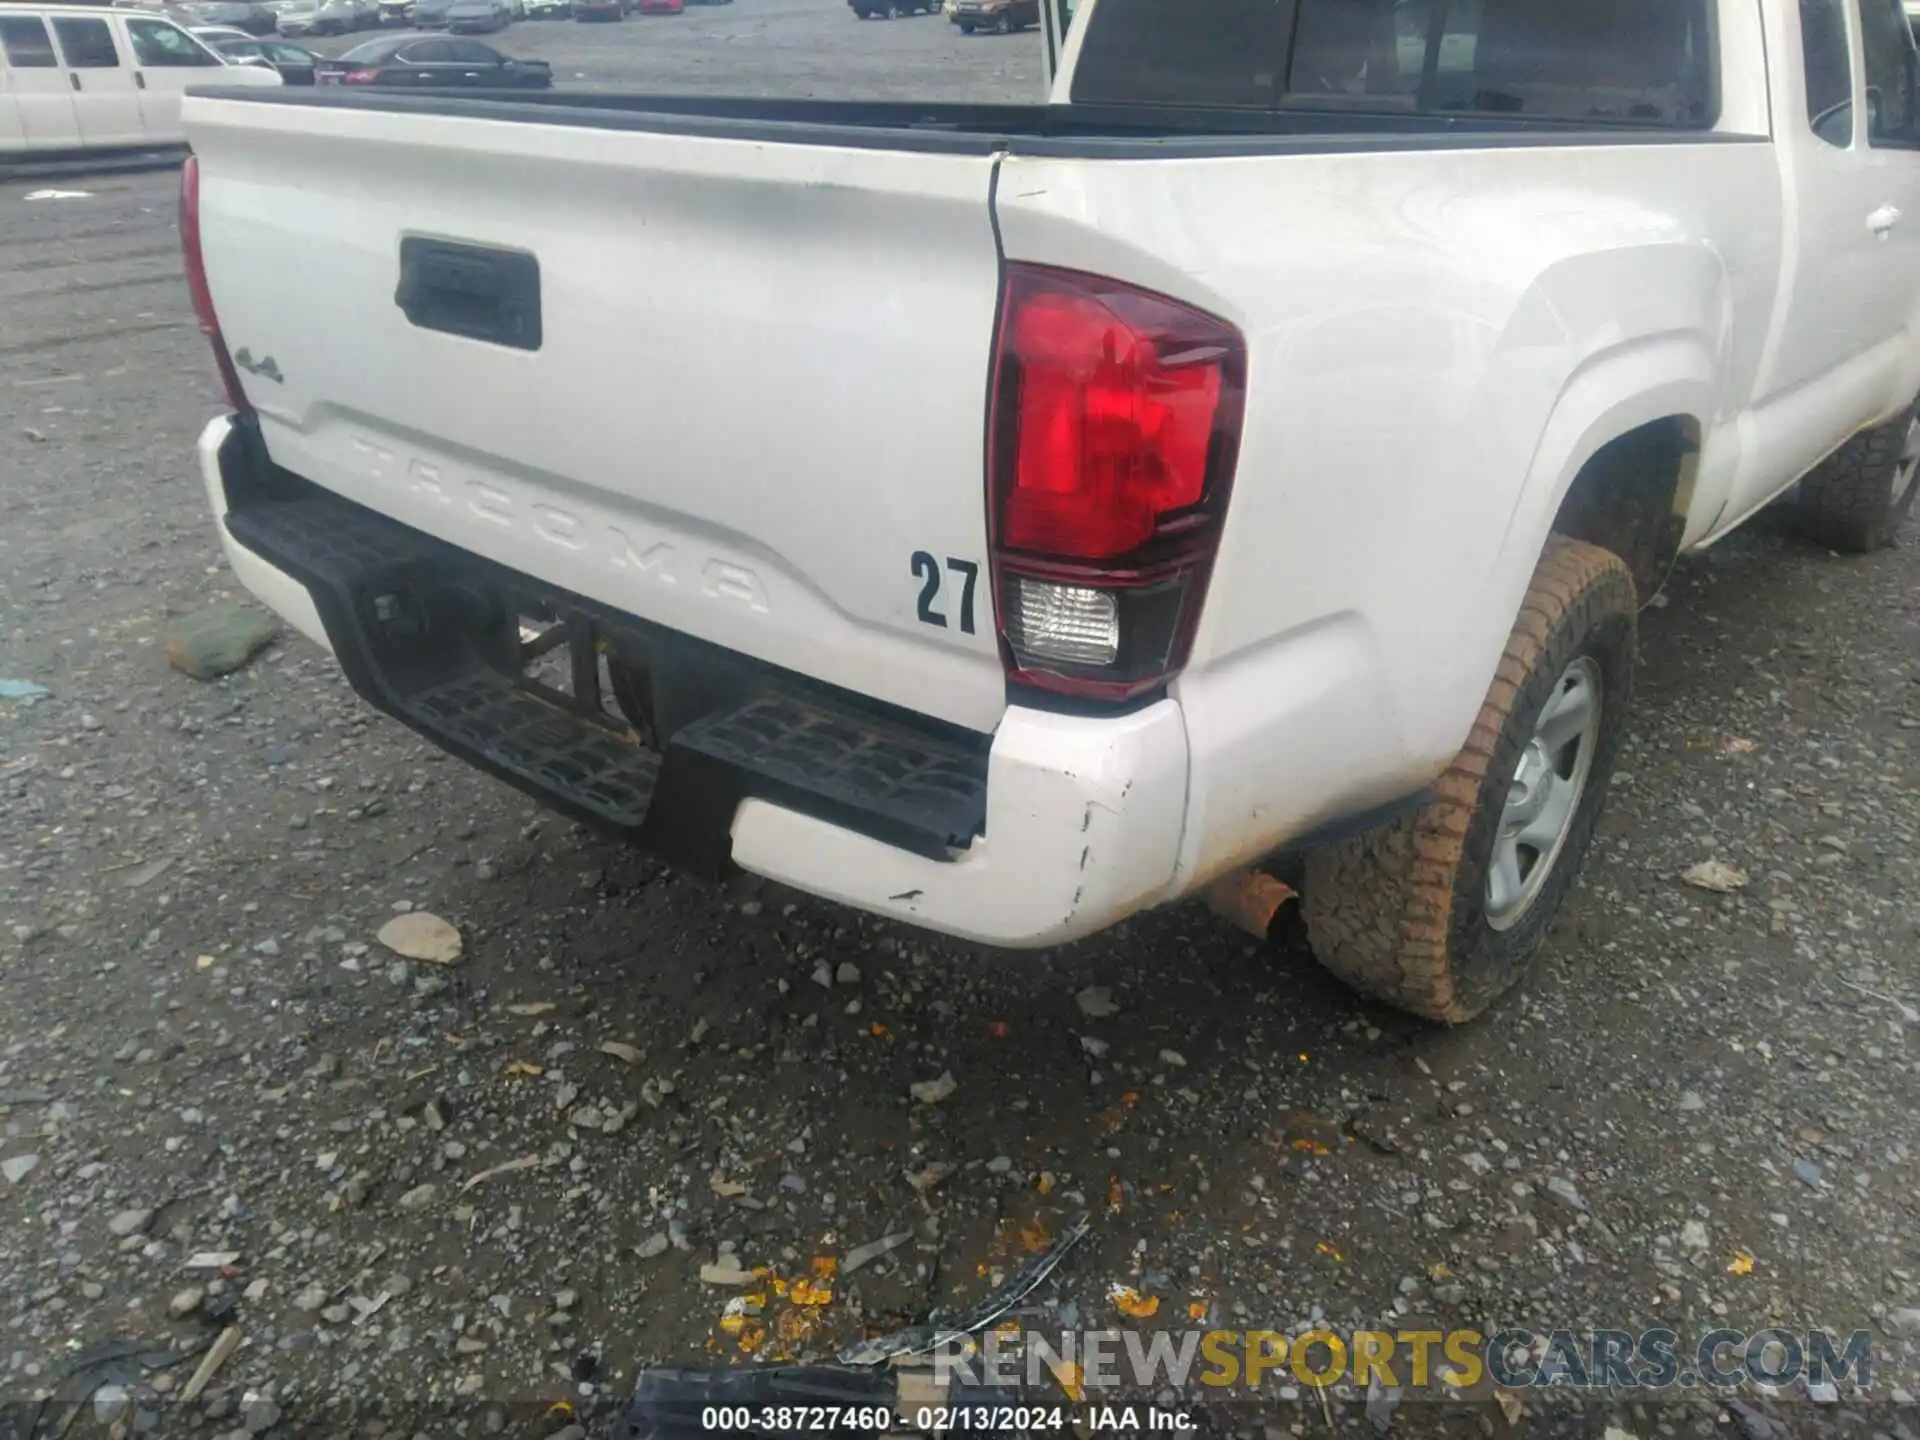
(139, 80)
(74, 77)
(1881, 221)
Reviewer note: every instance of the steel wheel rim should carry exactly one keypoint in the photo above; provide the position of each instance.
(1544, 795)
(1909, 463)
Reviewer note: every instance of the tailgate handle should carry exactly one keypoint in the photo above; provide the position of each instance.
(473, 291)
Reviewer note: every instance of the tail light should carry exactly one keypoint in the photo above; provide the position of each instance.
(197, 284)
(1114, 433)
(365, 75)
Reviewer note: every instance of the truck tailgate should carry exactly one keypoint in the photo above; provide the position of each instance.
(757, 393)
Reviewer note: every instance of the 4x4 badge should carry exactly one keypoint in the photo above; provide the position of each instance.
(266, 369)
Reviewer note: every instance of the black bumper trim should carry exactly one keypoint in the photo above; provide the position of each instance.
(428, 634)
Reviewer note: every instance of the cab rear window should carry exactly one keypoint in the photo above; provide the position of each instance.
(1630, 62)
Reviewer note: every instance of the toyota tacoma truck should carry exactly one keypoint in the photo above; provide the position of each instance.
(1255, 455)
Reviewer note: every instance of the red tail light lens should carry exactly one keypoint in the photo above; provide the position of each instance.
(1116, 427)
(196, 266)
(363, 76)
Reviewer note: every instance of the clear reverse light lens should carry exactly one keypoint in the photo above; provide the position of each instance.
(1069, 624)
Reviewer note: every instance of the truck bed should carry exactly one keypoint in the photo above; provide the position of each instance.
(1093, 131)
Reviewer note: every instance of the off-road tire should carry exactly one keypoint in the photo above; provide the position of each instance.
(1399, 912)
(1847, 503)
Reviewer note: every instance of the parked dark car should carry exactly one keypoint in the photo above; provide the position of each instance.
(892, 9)
(254, 19)
(1002, 17)
(296, 66)
(412, 62)
(600, 9)
(429, 14)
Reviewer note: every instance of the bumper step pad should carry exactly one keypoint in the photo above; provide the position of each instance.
(557, 753)
(774, 736)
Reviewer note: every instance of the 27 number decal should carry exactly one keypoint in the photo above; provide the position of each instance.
(927, 571)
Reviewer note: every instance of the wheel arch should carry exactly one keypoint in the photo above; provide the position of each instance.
(1644, 401)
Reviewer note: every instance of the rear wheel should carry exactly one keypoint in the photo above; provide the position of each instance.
(966, 27)
(1004, 25)
(1857, 499)
(1441, 913)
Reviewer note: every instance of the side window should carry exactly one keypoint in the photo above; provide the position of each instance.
(87, 44)
(1829, 62)
(1627, 62)
(427, 52)
(1887, 44)
(1344, 49)
(1641, 62)
(1413, 30)
(1460, 39)
(26, 42)
(1174, 52)
(157, 44)
(467, 53)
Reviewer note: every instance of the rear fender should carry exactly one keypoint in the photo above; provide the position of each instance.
(1659, 354)
(1613, 393)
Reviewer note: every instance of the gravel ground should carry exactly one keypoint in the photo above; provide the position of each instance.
(493, 1185)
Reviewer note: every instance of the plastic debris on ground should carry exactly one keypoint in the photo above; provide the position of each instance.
(874, 1397)
(920, 1339)
(114, 1378)
(1131, 1303)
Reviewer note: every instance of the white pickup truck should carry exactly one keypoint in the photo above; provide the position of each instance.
(1007, 518)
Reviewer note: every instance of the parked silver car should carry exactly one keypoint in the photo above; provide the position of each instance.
(327, 17)
(477, 17)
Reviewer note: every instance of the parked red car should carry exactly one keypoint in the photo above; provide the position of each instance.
(661, 7)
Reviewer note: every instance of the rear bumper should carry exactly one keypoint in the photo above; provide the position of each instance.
(1053, 828)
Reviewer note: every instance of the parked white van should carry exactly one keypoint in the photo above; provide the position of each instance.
(79, 78)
